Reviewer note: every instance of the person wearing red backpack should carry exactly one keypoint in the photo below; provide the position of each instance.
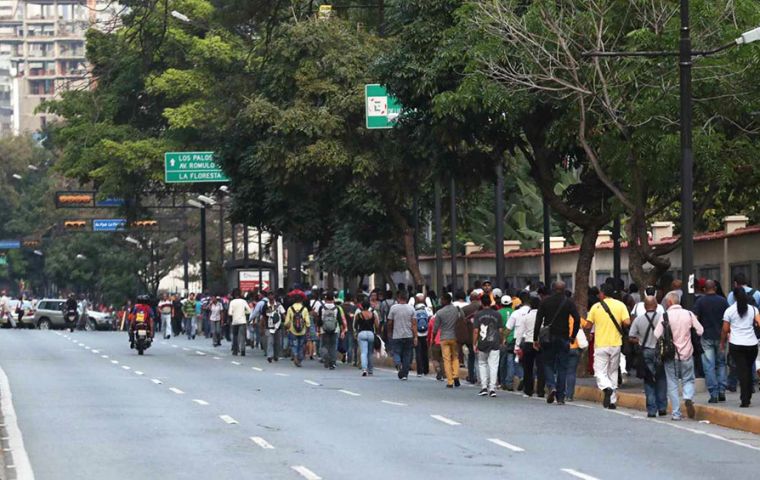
(140, 313)
(298, 324)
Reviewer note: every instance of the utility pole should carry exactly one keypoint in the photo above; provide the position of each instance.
(687, 160)
(204, 273)
(547, 246)
(499, 240)
(438, 238)
(616, 271)
(453, 224)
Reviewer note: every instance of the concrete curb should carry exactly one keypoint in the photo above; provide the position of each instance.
(714, 415)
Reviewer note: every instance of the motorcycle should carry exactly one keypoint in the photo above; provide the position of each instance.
(142, 338)
(70, 317)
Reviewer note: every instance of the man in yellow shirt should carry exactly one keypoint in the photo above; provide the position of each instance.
(297, 323)
(608, 317)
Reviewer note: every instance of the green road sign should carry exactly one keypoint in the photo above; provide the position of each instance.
(382, 109)
(3, 261)
(192, 167)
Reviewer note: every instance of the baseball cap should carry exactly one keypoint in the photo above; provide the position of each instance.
(506, 300)
(497, 293)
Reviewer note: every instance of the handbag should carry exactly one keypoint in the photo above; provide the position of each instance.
(642, 371)
(462, 330)
(581, 339)
(545, 334)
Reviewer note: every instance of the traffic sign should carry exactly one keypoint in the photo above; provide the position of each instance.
(10, 244)
(110, 202)
(109, 225)
(382, 109)
(192, 167)
(3, 261)
(325, 12)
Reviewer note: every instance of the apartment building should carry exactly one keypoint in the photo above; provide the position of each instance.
(43, 41)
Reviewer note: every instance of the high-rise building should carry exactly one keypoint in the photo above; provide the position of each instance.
(43, 43)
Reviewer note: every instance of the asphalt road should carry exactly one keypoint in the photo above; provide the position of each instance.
(88, 407)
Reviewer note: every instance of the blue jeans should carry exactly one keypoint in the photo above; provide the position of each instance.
(395, 352)
(274, 343)
(573, 357)
(682, 370)
(508, 369)
(405, 349)
(555, 364)
(366, 345)
(657, 391)
(714, 365)
(351, 348)
(297, 343)
(190, 326)
(472, 361)
(216, 332)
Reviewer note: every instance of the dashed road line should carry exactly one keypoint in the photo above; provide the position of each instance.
(282, 374)
(306, 473)
(257, 369)
(217, 358)
(200, 402)
(262, 443)
(506, 445)
(176, 390)
(578, 474)
(156, 381)
(235, 363)
(126, 367)
(104, 356)
(349, 392)
(445, 420)
(138, 372)
(185, 349)
(397, 404)
(95, 351)
(175, 346)
(227, 419)
(115, 362)
(198, 352)
(312, 382)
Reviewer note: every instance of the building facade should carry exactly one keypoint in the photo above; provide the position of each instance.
(43, 41)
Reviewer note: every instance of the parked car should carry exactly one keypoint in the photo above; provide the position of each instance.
(49, 315)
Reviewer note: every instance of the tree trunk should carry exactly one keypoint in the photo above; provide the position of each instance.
(411, 258)
(583, 268)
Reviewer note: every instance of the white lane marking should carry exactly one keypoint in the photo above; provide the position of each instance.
(104, 356)
(580, 406)
(185, 349)
(282, 374)
(138, 372)
(175, 346)
(126, 367)
(262, 443)
(95, 351)
(504, 444)
(578, 474)
(711, 435)
(227, 419)
(257, 369)
(398, 404)
(311, 382)
(80, 344)
(348, 392)
(445, 420)
(200, 353)
(235, 363)
(15, 440)
(176, 390)
(87, 348)
(200, 402)
(156, 381)
(306, 473)
(217, 358)
(115, 362)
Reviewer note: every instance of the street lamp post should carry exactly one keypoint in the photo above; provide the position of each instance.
(499, 245)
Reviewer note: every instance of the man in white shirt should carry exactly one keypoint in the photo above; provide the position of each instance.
(238, 311)
(4, 307)
(523, 322)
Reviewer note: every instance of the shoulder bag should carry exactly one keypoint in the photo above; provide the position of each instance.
(545, 334)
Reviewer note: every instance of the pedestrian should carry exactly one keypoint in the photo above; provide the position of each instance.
(403, 324)
(507, 351)
(238, 315)
(366, 323)
(445, 328)
(165, 308)
(465, 335)
(552, 337)
(385, 307)
(524, 324)
(739, 323)
(422, 314)
(332, 325)
(435, 349)
(710, 310)
(177, 315)
(486, 340)
(608, 316)
(349, 341)
(740, 281)
(681, 368)
(573, 359)
(655, 382)
(298, 323)
(273, 314)
(188, 309)
(215, 312)
(256, 319)
(313, 346)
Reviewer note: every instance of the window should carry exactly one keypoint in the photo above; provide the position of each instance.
(568, 279)
(41, 87)
(42, 306)
(744, 268)
(709, 272)
(602, 276)
(40, 50)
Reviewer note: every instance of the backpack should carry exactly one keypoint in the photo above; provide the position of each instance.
(666, 349)
(751, 299)
(299, 323)
(329, 317)
(422, 320)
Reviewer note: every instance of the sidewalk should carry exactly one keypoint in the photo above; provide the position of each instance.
(726, 414)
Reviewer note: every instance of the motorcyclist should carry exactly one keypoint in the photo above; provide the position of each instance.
(140, 313)
(70, 306)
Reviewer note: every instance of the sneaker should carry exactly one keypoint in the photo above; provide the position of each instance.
(662, 413)
(332, 367)
(520, 386)
(744, 405)
(269, 359)
(651, 415)
(483, 392)
(721, 397)
(525, 395)
(492, 393)
(400, 375)
(676, 418)
(713, 400)
(690, 411)
(569, 399)
(560, 402)
(439, 377)
(456, 382)
(404, 378)
(607, 397)
(550, 397)
(364, 373)
(449, 386)
(612, 406)
(419, 374)
(242, 354)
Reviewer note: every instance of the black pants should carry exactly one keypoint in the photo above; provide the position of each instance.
(423, 361)
(532, 358)
(744, 357)
(238, 338)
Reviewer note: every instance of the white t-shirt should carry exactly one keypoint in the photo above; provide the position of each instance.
(524, 322)
(239, 311)
(4, 304)
(640, 310)
(215, 311)
(742, 330)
